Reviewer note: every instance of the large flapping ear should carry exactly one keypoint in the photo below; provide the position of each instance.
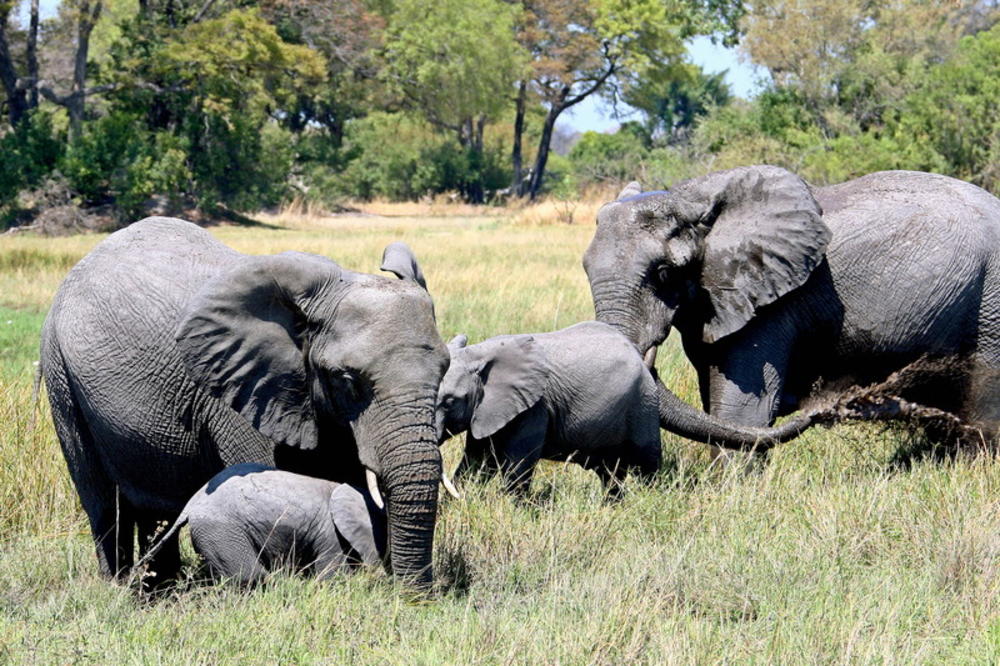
(397, 258)
(514, 375)
(243, 339)
(766, 235)
(359, 522)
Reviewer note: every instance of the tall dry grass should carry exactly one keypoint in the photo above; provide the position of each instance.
(826, 554)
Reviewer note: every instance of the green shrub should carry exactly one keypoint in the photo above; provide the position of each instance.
(398, 157)
(30, 152)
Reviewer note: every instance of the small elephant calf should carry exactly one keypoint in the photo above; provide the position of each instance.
(582, 393)
(250, 519)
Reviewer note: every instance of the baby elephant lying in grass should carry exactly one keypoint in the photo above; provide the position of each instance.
(581, 394)
(250, 519)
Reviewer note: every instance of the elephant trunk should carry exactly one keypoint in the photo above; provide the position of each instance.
(410, 474)
(640, 319)
(682, 419)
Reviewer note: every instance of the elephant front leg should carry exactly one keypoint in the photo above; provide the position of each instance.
(520, 446)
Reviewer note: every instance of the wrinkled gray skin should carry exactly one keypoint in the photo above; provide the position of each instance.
(168, 357)
(777, 287)
(251, 519)
(581, 394)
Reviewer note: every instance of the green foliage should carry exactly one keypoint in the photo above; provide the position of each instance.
(30, 152)
(601, 158)
(453, 60)
(953, 113)
(398, 156)
(673, 103)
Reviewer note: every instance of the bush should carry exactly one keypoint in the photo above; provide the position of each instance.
(399, 157)
(30, 152)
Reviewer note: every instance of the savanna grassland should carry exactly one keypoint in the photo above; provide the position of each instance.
(829, 553)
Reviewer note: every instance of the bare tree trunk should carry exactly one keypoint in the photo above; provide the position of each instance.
(516, 155)
(76, 100)
(32, 54)
(17, 104)
(538, 173)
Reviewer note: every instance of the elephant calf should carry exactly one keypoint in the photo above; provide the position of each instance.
(580, 394)
(250, 519)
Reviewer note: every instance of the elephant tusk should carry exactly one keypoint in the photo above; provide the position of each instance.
(449, 486)
(650, 357)
(373, 488)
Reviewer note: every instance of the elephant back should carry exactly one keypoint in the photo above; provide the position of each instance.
(112, 324)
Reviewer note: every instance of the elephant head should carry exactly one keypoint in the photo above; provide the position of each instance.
(487, 385)
(301, 347)
(713, 250)
(703, 257)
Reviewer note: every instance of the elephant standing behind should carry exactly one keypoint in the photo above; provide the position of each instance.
(168, 357)
(778, 288)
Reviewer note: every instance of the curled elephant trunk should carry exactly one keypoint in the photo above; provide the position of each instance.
(682, 419)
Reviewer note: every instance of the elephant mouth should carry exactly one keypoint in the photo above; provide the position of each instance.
(373, 488)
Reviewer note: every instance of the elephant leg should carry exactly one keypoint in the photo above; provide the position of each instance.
(612, 472)
(746, 372)
(166, 564)
(229, 554)
(520, 444)
(110, 515)
(479, 456)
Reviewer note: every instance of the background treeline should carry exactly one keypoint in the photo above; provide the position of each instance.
(117, 108)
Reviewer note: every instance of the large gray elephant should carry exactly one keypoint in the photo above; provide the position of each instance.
(168, 357)
(780, 290)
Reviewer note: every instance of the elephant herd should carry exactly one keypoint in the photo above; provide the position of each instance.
(169, 357)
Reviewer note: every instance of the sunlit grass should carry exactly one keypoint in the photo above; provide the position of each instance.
(827, 553)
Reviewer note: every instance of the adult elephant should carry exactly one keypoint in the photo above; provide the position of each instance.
(168, 356)
(779, 289)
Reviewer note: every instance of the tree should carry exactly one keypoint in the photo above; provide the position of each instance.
(673, 103)
(456, 62)
(953, 111)
(349, 34)
(580, 48)
(21, 97)
(859, 56)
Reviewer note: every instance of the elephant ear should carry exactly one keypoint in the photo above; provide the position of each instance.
(397, 258)
(243, 339)
(358, 522)
(766, 235)
(630, 190)
(513, 373)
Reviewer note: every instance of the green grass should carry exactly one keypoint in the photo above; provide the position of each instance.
(826, 554)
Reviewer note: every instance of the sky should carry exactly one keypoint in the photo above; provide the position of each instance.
(591, 114)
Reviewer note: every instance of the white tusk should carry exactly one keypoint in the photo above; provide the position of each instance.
(650, 358)
(373, 488)
(449, 486)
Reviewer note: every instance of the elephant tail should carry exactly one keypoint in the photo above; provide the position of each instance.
(36, 392)
(138, 571)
